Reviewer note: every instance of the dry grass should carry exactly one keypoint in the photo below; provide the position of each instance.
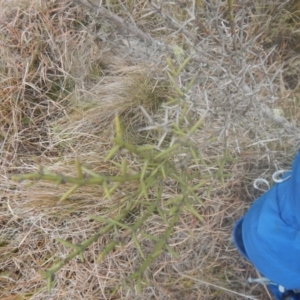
(65, 73)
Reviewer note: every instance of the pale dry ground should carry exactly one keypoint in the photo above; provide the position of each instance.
(66, 72)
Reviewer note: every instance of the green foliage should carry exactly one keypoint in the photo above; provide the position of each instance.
(157, 167)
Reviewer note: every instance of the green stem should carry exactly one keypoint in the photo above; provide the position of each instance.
(61, 179)
(49, 274)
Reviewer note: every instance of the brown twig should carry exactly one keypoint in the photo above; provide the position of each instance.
(119, 22)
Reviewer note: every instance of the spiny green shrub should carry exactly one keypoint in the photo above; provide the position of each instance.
(168, 163)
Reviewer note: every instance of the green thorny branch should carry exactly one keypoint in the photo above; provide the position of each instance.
(157, 166)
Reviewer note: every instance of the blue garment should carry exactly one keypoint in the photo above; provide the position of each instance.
(269, 234)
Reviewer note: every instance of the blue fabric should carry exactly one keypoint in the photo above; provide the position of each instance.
(275, 291)
(269, 234)
(238, 237)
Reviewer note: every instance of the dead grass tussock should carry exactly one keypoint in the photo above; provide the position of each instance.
(65, 77)
(121, 92)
